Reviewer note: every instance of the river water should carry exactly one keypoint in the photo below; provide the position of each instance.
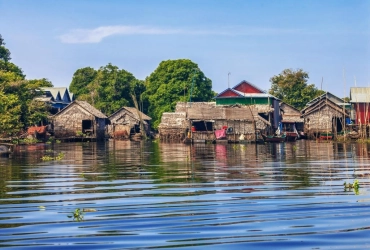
(140, 195)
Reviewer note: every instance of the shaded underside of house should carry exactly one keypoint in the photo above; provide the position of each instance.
(200, 120)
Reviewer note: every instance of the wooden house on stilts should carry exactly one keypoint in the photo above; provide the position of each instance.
(126, 122)
(79, 119)
(248, 94)
(360, 100)
(201, 121)
(291, 122)
(325, 116)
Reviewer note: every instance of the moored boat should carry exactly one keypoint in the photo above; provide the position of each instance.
(291, 136)
(274, 138)
(326, 136)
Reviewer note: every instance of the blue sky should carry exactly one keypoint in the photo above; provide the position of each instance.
(253, 40)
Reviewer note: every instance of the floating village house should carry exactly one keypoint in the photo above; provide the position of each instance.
(126, 121)
(78, 118)
(326, 115)
(245, 93)
(360, 100)
(206, 121)
(56, 99)
(360, 115)
(291, 122)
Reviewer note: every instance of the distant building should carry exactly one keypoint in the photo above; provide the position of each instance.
(246, 93)
(57, 98)
(360, 99)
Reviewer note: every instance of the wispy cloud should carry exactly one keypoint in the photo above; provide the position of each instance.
(98, 34)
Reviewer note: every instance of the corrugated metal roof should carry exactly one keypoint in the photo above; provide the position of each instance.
(245, 95)
(335, 99)
(255, 95)
(360, 95)
(254, 86)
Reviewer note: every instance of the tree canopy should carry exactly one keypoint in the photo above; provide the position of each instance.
(18, 106)
(291, 87)
(174, 81)
(108, 88)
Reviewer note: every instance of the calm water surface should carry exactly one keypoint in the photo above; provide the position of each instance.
(156, 195)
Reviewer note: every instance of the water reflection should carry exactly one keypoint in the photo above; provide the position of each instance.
(150, 194)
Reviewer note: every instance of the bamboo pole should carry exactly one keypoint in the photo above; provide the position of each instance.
(143, 132)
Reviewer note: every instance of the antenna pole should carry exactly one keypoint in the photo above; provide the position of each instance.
(228, 80)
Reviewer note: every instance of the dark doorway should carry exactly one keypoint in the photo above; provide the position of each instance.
(202, 126)
(87, 126)
(337, 122)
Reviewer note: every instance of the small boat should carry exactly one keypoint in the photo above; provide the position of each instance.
(326, 136)
(274, 138)
(291, 136)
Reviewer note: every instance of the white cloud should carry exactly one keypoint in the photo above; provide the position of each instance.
(97, 35)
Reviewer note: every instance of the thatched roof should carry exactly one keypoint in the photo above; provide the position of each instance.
(209, 111)
(86, 106)
(327, 95)
(134, 113)
(173, 120)
(320, 105)
(290, 113)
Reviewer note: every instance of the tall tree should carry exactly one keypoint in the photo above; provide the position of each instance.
(108, 88)
(18, 107)
(175, 81)
(291, 87)
(4, 52)
(81, 78)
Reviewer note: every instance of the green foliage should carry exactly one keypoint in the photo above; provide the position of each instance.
(18, 107)
(4, 52)
(38, 83)
(355, 186)
(81, 79)
(80, 134)
(59, 157)
(107, 89)
(77, 215)
(172, 82)
(28, 141)
(291, 87)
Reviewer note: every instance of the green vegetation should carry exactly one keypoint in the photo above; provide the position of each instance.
(291, 87)
(18, 107)
(80, 134)
(107, 89)
(27, 141)
(110, 88)
(174, 81)
(77, 215)
(355, 186)
(59, 157)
